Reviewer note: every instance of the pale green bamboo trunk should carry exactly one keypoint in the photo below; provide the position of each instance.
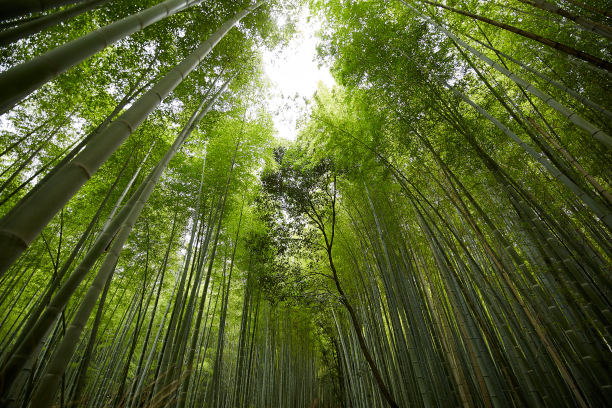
(16, 8)
(19, 227)
(134, 205)
(32, 27)
(23, 79)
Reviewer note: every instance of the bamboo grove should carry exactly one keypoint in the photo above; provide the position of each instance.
(439, 234)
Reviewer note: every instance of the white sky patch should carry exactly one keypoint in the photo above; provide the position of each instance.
(294, 75)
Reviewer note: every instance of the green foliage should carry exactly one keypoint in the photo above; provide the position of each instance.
(404, 232)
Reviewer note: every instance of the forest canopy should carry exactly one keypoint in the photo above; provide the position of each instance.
(437, 234)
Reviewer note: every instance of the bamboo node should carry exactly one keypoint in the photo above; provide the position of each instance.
(159, 96)
(84, 168)
(14, 237)
(126, 123)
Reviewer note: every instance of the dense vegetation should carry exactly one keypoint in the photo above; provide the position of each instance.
(439, 234)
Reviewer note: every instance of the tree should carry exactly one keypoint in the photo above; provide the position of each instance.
(312, 193)
(437, 235)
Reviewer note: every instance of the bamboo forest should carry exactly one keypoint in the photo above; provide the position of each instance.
(434, 230)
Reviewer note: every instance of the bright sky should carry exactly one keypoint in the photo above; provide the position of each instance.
(295, 76)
